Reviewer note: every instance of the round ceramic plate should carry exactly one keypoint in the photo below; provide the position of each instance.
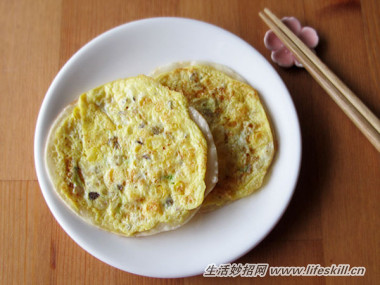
(217, 237)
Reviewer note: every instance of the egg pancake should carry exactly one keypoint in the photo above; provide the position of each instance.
(128, 157)
(239, 125)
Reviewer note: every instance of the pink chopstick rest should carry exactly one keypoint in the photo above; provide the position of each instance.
(280, 54)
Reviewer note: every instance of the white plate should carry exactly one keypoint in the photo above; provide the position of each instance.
(217, 237)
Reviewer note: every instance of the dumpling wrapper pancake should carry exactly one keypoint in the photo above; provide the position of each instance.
(128, 158)
(238, 122)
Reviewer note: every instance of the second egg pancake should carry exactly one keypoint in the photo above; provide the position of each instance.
(238, 122)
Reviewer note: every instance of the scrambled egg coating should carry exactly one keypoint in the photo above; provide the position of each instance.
(128, 158)
(239, 125)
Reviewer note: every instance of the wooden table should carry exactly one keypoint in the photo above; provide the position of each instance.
(334, 215)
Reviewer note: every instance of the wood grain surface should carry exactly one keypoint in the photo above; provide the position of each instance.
(334, 215)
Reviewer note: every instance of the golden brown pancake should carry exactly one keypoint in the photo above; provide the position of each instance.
(128, 158)
(238, 122)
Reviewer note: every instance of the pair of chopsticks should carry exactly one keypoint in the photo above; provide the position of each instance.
(351, 105)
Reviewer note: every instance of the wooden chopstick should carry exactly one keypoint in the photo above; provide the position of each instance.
(351, 105)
